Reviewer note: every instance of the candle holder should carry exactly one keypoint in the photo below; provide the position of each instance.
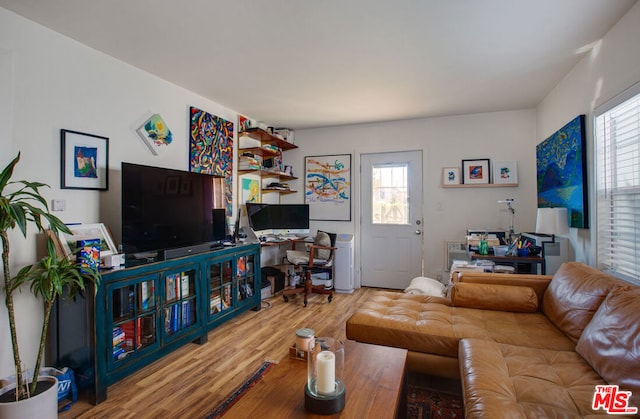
(325, 391)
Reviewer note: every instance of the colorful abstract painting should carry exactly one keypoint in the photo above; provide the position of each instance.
(561, 165)
(85, 162)
(211, 149)
(156, 134)
(250, 190)
(328, 187)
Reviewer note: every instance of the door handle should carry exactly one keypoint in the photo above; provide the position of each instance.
(418, 232)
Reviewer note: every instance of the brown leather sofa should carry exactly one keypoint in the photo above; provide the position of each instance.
(522, 345)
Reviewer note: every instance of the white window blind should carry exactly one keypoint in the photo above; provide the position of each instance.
(617, 138)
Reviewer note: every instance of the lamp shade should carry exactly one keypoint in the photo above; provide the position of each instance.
(552, 221)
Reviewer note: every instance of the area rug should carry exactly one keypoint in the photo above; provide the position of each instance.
(236, 394)
(427, 403)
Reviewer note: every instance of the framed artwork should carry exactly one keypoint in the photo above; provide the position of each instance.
(561, 165)
(155, 134)
(475, 171)
(450, 175)
(211, 149)
(68, 242)
(505, 172)
(84, 161)
(250, 190)
(327, 187)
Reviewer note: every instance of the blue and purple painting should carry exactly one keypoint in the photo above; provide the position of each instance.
(85, 162)
(561, 164)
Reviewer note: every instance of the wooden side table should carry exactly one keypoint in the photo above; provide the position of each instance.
(374, 377)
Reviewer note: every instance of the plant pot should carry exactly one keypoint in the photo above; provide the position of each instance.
(42, 405)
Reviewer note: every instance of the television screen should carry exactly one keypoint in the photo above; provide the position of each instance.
(167, 208)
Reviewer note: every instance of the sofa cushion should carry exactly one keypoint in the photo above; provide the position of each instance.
(611, 341)
(508, 381)
(428, 324)
(426, 286)
(574, 294)
(494, 297)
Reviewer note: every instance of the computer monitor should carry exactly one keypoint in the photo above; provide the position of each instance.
(278, 219)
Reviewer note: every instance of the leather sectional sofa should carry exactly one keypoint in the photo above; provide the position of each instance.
(522, 345)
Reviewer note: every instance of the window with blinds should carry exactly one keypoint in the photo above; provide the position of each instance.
(617, 144)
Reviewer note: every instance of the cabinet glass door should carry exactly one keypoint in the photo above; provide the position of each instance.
(179, 311)
(244, 277)
(133, 317)
(220, 281)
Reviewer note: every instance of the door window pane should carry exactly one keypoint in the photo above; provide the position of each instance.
(390, 201)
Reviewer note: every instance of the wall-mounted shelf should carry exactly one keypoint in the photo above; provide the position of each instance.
(281, 191)
(483, 185)
(265, 138)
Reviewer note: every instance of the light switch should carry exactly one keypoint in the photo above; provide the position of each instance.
(58, 205)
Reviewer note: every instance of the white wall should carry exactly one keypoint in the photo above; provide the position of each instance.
(499, 136)
(610, 68)
(58, 83)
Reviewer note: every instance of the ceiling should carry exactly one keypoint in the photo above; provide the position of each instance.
(302, 63)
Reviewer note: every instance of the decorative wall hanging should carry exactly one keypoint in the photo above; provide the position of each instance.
(327, 184)
(211, 149)
(505, 172)
(475, 171)
(561, 172)
(84, 161)
(155, 134)
(250, 190)
(450, 175)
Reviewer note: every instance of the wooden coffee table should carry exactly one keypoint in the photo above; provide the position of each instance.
(374, 377)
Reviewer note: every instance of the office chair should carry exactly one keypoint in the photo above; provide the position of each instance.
(319, 255)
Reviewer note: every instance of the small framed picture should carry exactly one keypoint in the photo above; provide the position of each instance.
(475, 171)
(84, 161)
(505, 172)
(450, 175)
(79, 232)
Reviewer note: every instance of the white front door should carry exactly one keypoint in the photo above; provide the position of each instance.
(391, 222)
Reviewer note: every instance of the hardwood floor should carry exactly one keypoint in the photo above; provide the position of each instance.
(192, 380)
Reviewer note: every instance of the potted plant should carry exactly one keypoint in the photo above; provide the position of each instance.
(48, 278)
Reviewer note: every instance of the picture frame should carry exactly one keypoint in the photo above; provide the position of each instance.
(84, 161)
(327, 187)
(86, 232)
(505, 173)
(476, 171)
(155, 133)
(450, 175)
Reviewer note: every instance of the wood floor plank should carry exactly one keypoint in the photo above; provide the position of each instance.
(193, 379)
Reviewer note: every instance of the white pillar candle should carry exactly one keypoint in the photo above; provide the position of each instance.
(326, 372)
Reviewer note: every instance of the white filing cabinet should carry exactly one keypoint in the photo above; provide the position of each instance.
(343, 260)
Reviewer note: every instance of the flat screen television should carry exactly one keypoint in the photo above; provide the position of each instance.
(169, 212)
(278, 219)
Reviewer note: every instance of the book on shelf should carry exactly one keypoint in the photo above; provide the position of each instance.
(215, 304)
(167, 320)
(175, 318)
(184, 285)
(172, 286)
(188, 317)
(242, 266)
(146, 293)
(226, 296)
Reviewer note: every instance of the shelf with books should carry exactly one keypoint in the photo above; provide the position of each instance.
(146, 311)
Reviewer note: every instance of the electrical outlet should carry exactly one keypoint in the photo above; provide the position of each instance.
(58, 205)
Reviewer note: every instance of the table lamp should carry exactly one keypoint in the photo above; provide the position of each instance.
(553, 221)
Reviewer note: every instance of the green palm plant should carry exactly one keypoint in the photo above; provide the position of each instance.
(21, 203)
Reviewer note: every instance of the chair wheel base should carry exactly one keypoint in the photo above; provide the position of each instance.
(285, 298)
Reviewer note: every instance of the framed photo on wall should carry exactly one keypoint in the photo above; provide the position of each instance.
(475, 171)
(450, 175)
(505, 172)
(84, 161)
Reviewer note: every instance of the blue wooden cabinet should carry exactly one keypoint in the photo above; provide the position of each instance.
(144, 312)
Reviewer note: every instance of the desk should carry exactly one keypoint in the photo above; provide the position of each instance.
(374, 376)
(531, 261)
